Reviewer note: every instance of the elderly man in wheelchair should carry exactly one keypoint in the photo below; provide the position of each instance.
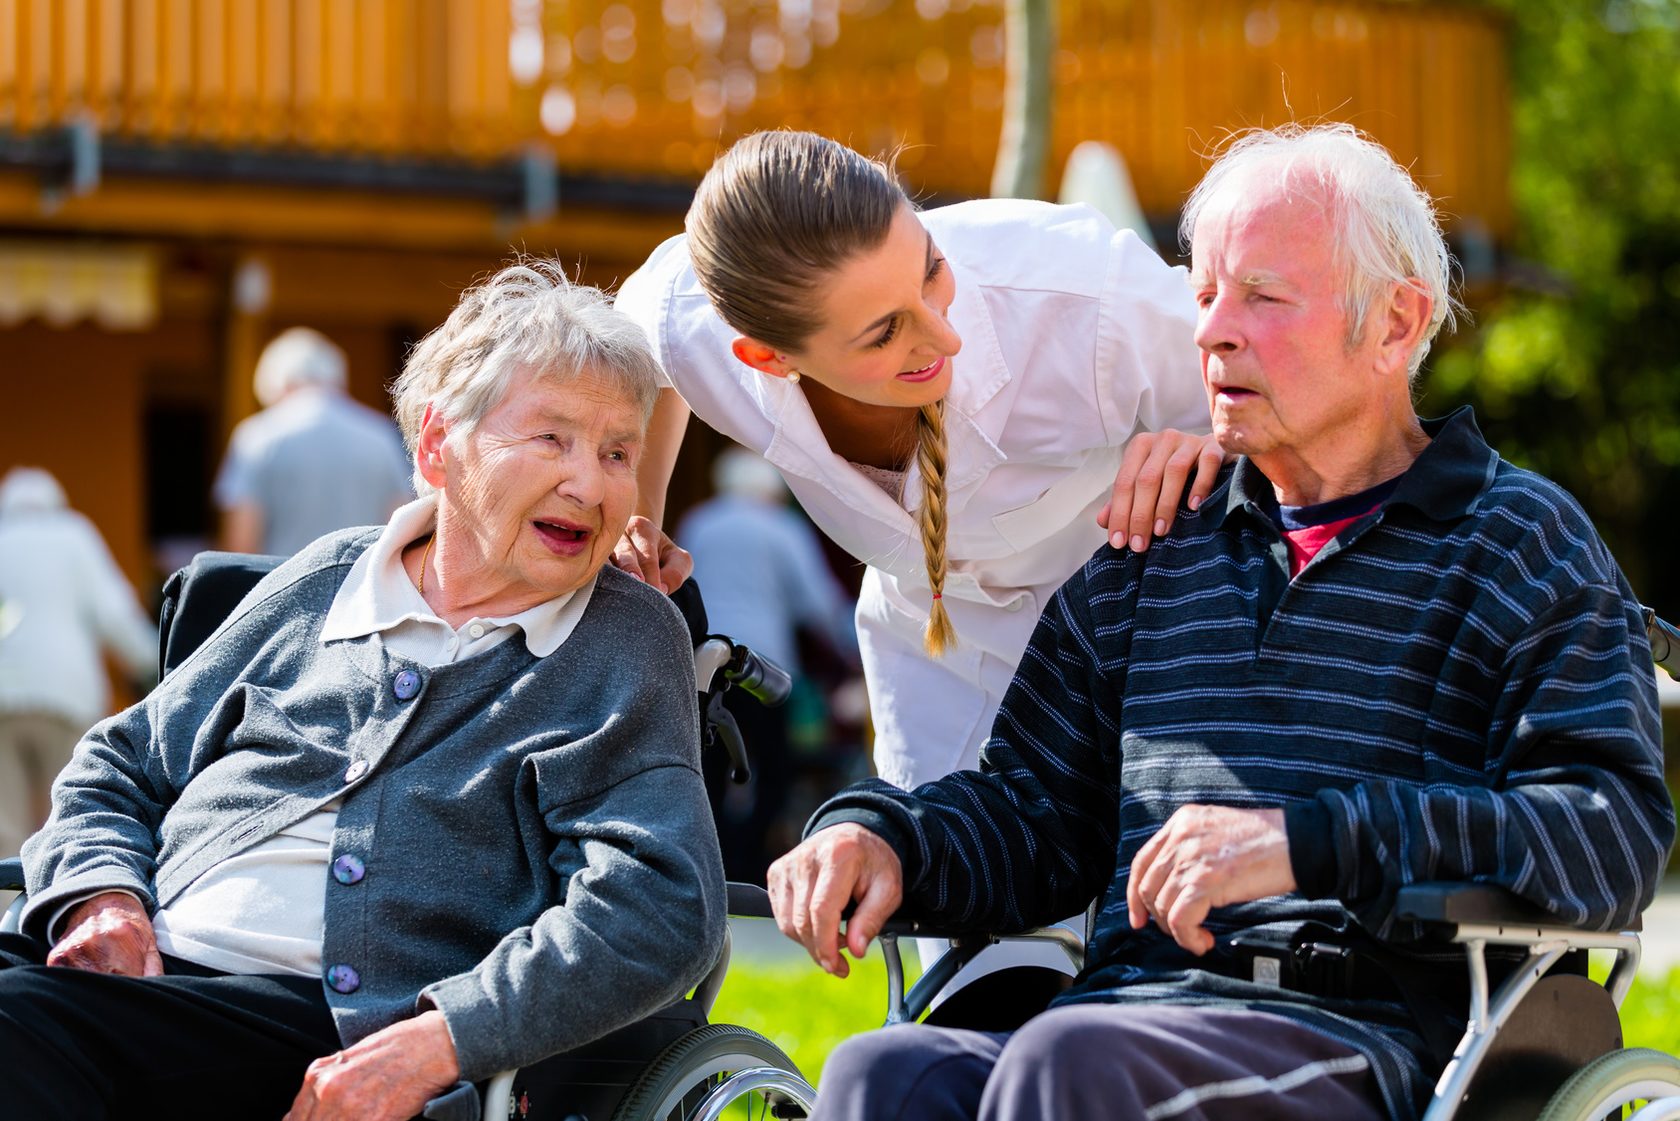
(1377, 655)
(482, 741)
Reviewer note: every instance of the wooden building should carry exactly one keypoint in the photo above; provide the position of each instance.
(180, 179)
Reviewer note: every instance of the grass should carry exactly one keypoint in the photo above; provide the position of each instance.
(807, 1012)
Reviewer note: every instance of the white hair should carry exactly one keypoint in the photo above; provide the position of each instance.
(26, 489)
(527, 316)
(296, 358)
(1385, 229)
(739, 471)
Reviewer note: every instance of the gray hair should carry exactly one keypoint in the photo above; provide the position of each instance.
(296, 358)
(1384, 226)
(527, 316)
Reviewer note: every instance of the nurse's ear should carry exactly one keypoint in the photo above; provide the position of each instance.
(764, 359)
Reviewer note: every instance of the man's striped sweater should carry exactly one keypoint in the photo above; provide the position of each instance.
(1456, 688)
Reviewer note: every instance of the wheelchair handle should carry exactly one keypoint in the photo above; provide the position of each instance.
(1665, 643)
(764, 680)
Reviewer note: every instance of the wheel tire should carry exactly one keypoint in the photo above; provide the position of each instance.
(1612, 1081)
(674, 1082)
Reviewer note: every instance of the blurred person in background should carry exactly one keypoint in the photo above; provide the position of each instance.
(765, 580)
(313, 460)
(62, 600)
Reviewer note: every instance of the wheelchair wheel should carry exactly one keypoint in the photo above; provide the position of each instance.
(1602, 1087)
(719, 1072)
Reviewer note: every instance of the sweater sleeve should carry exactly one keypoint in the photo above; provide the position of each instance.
(107, 808)
(1575, 817)
(642, 913)
(1030, 837)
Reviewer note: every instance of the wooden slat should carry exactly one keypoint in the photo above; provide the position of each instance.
(656, 87)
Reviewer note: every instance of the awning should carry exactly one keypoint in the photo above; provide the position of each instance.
(66, 282)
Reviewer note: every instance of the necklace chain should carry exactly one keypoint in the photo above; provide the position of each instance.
(420, 585)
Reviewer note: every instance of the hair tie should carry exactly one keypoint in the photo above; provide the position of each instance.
(938, 595)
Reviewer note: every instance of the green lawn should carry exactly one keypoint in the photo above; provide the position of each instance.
(807, 1012)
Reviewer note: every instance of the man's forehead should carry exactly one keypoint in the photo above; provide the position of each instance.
(1270, 210)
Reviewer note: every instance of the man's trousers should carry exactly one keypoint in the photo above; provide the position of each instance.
(191, 1044)
(1119, 1062)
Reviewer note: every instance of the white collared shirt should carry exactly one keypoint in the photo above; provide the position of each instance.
(262, 910)
(1074, 337)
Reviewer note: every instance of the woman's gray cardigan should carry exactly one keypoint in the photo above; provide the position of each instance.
(541, 862)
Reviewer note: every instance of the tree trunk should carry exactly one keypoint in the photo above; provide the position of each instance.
(1024, 146)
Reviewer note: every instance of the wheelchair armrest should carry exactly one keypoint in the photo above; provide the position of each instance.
(748, 901)
(1482, 904)
(11, 874)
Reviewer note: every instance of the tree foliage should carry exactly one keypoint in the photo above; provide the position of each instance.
(1575, 368)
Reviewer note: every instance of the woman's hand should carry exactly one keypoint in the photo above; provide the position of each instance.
(647, 554)
(1151, 479)
(109, 933)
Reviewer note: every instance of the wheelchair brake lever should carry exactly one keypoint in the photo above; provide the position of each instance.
(722, 722)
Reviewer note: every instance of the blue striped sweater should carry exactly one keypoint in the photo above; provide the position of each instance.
(1458, 687)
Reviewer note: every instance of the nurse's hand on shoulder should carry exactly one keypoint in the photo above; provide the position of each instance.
(811, 887)
(651, 557)
(1152, 476)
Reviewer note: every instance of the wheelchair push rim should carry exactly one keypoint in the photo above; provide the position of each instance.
(709, 1070)
(1621, 1078)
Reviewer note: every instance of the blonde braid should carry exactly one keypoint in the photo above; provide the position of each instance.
(930, 458)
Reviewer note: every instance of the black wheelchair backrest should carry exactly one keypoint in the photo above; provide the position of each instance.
(198, 597)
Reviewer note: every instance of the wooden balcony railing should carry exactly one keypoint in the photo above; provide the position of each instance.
(656, 87)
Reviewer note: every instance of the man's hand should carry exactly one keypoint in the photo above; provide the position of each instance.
(1206, 857)
(1151, 479)
(109, 933)
(811, 886)
(651, 557)
(389, 1076)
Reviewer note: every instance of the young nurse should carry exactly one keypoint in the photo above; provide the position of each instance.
(948, 393)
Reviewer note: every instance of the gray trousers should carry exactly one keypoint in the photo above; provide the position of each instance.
(1118, 1062)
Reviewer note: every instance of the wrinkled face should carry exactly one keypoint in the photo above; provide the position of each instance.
(535, 496)
(883, 338)
(1276, 363)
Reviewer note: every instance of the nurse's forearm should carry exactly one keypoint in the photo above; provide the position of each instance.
(659, 454)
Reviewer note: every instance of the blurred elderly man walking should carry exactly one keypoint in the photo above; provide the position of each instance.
(313, 460)
(1378, 654)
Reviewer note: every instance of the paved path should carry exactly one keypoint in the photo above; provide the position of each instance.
(1660, 940)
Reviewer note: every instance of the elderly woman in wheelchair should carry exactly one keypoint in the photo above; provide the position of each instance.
(424, 808)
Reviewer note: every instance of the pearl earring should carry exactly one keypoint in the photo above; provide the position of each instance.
(793, 377)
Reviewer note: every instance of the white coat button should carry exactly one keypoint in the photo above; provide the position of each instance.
(356, 771)
(476, 630)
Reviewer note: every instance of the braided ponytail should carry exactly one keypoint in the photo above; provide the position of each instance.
(930, 458)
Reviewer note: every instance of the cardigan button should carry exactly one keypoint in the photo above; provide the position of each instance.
(348, 869)
(344, 979)
(407, 684)
(356, 770)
